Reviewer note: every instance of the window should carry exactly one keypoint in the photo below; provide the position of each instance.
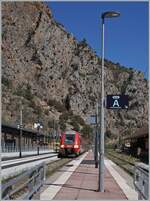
(69, 139)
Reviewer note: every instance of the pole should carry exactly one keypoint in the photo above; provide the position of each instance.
(54, 141)
(38, 128)
(20, 137)
(101, 142)
(96, 138)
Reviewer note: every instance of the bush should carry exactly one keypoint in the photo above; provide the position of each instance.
(24, 92)
(108, 134)
(19, 91)
(32, 104)
(75, 125)
(46, 112)
(50, 123)
(126, 83)
(75, 120)
(134, 105)
(83, 43)
(28, 94)
(38, 110)
(6, 82)
(75, 67)
(57, 105)
(62, 126)
(87, 131)
(78, 119)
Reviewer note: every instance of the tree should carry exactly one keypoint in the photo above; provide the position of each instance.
(87, 131)
(67, 103)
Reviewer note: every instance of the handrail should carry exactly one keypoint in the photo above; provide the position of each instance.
(30, 181)
(141, 180)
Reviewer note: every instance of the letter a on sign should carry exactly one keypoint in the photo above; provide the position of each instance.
(116, 103)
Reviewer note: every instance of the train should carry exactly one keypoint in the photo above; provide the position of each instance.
(71, 144)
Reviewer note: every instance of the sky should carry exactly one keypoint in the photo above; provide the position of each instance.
(126, 37)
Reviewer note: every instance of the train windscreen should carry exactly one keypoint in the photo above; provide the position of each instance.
(69, 139)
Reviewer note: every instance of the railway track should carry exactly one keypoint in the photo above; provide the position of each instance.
(126, 165)
(20, 184)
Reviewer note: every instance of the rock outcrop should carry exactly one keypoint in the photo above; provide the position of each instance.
(48, 67)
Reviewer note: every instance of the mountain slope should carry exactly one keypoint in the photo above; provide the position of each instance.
(46, 65)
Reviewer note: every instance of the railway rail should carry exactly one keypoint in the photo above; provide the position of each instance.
(126, 165)
(26, 185)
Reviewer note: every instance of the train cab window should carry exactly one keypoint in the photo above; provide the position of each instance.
(69, 139)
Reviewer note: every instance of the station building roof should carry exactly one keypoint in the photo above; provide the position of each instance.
(139, 133)
(13, 129)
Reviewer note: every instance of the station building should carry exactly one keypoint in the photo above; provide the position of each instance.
(138, 143)
(29, 141)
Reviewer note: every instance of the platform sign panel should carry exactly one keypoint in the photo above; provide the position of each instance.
(92, 119)
(117, 102)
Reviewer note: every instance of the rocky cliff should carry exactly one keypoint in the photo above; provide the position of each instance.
(47, 66)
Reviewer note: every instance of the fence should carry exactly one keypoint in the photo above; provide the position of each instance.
(141, 180)
(25, 185)
(12, 148)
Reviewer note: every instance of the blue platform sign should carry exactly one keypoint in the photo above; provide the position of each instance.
(92, 119)
(117, 102)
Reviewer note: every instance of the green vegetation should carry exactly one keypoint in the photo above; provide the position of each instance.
(75, 67)
(38, 110)
(76, 121)
(108, 134)
(6, 82)
(126, 83)
(54, 166)
(117, 67)
(62, 125)
(24, 91)
(75, 125)
(46, 112)
(134, 105)
(82, 74)
(83, 43)
(121, 159)
(87, 131)
(57, 105)
(50, 123)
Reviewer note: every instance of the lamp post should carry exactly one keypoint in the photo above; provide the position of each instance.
(20, 126)
(38, 126)
(20, 136)
(104, 15)
(96, 138)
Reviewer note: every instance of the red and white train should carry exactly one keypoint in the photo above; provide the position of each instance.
(71, 143)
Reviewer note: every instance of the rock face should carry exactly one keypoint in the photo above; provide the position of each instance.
(46, 65)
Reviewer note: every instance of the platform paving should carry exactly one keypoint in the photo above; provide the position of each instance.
(83, 184)
(24, 153)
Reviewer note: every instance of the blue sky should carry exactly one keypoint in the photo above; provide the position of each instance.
(126, 37)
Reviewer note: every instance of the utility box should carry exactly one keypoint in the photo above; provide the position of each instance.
(141, 180)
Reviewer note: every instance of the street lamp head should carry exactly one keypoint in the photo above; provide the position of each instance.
(110, 14)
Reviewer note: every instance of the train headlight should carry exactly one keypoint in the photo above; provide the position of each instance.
(62, 146)
(76, 146)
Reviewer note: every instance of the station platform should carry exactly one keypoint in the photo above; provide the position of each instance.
(80, 182)
(9, 155)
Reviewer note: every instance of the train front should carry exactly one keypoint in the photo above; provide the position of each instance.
(69, 144)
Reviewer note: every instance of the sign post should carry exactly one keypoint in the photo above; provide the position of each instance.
(93, 121)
